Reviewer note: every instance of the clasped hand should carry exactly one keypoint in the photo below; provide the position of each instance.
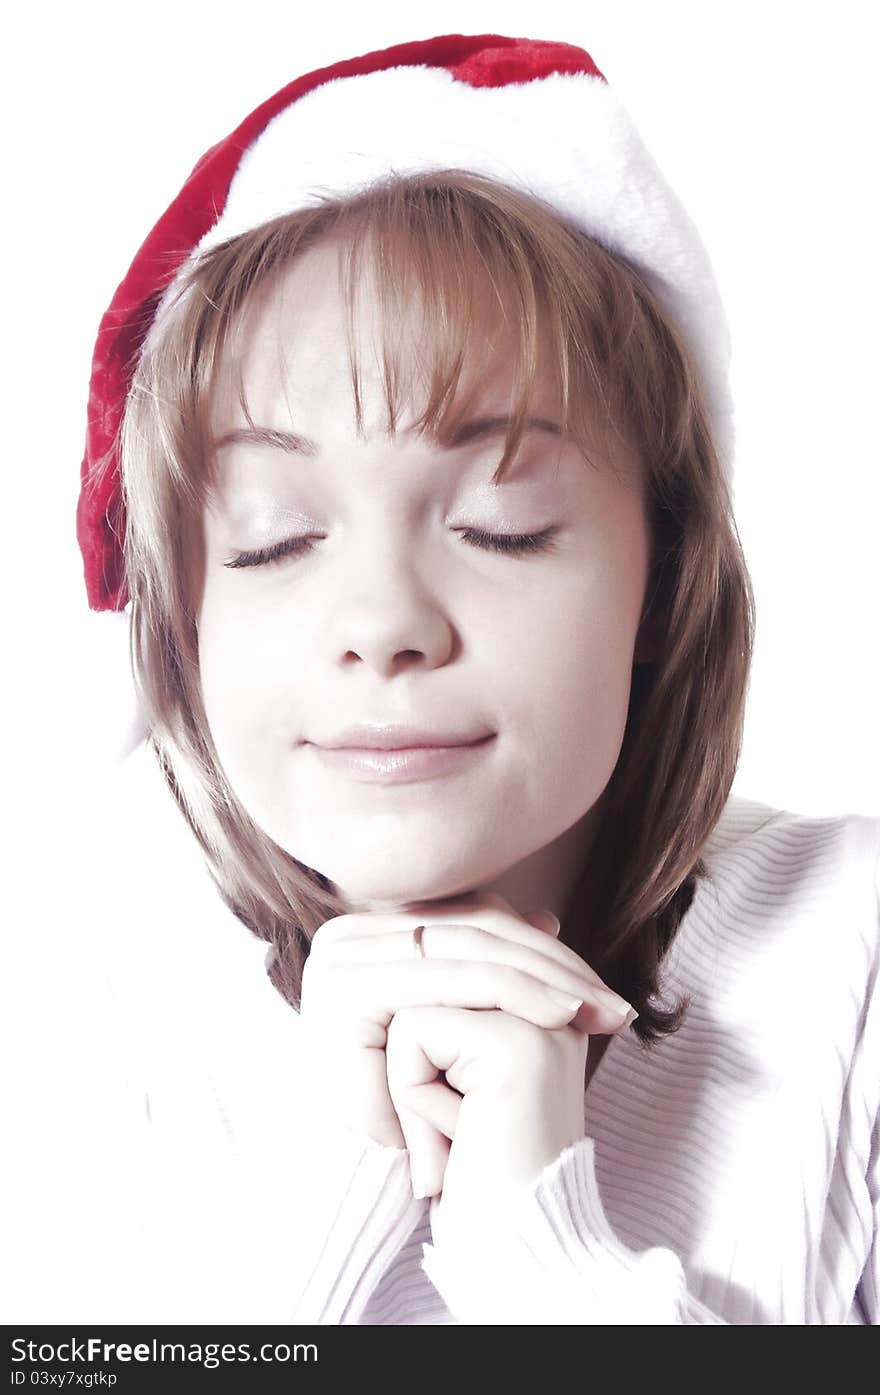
(470, 1058)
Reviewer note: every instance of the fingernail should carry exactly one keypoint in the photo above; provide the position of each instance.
(565, 1000)
(548, 915)
(620, 1006)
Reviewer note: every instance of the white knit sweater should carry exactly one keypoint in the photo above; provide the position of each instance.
(729, 1173)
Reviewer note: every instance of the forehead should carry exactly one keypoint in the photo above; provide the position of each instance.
(301, 332)
(302, 338)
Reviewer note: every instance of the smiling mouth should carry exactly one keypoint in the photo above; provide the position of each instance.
(403, 764)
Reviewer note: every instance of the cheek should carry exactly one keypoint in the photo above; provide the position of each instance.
(568, 675)
(248, 668)
(579, 681)
(579, 633)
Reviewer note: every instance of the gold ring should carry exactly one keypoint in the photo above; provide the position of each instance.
(417, 941)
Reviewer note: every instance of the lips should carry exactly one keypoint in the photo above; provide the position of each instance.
(400, 765)
(395, 736)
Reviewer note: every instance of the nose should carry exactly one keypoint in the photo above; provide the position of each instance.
(387, 613)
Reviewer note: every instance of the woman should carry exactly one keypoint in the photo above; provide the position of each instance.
(294, 475)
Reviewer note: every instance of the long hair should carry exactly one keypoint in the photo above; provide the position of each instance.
(445, 237)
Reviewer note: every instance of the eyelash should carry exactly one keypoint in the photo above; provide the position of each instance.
(511, 543)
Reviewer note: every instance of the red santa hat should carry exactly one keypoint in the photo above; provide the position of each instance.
(538, 115)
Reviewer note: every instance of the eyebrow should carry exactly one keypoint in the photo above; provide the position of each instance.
(295, 444)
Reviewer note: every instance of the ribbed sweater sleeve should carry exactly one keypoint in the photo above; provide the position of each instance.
(558, 1262)
(350, 1226)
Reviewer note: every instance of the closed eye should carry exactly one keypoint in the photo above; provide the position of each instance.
(494, 542)
(264, 555)
(511, 542)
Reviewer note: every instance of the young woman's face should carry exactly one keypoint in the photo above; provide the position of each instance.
(395, 614)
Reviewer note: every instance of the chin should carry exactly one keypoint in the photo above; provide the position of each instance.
(389, 895)
(383, 866)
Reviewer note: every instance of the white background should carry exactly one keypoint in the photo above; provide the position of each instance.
(763, 117)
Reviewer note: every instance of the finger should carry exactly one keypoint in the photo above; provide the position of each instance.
(437, 1104)
(477, 943)
(548, 922)
(508, 925)
(490, 911)
(586, 1019)
(428, 1149)
(469, 1048)
(550, 925)
(368, 994)
(545, 921)
(426, 1106)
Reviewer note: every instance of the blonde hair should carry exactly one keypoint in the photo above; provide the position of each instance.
(444, 236)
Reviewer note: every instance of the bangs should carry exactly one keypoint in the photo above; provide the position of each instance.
(462, 258)
(470, 262)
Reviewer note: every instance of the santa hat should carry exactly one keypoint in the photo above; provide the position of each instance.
(538, 115)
